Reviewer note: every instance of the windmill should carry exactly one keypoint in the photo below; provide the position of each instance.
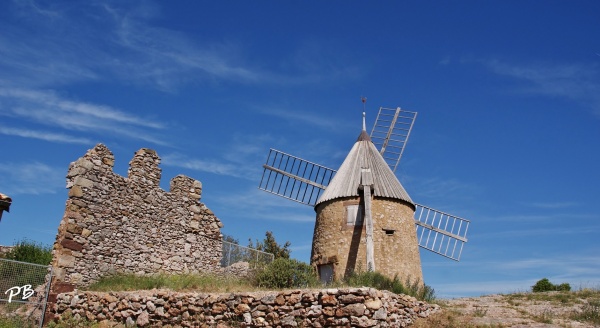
(363, 211)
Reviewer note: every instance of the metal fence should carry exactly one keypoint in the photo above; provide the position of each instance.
(23, 289)
(234, 253)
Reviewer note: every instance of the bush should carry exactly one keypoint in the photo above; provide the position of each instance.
(286, 273)
(564, 287)
(379, 281)
(544, 285)
(31, 252)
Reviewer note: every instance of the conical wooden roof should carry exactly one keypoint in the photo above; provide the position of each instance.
(347, 180)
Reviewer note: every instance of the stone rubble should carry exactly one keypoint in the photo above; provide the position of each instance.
(343, 307)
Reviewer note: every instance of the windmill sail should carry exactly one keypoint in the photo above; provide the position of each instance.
(441, 233)
(294, 178)
(390, 133)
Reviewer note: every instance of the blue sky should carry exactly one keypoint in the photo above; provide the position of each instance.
(507, 135)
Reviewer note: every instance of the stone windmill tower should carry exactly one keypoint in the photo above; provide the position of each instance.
(365, 219)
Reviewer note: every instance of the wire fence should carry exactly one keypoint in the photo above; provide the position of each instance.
(23, 289)
(234, 253)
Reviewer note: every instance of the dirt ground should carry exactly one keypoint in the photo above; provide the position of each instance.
(547, 310)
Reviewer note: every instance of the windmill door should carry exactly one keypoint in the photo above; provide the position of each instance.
(326, 273)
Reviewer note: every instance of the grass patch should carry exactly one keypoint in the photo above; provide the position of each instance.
(188, 282)
(15, 322)
(590, 312)
(564, 297)
(451, 319)
(377, 280)
(480, 311)
(210, 283)
(545, 316)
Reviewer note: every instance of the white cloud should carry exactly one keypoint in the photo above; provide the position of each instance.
(30, 178)
(518, 275)
(47, 108)
(304, 117)
(554, 206)
(202, 165)
(551, 216)
(97, 40)
(44, 135)
(243, 159)
(578, 82)
(273, 208)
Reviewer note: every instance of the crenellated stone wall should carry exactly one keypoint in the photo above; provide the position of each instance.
(343, 307)
(115, 224)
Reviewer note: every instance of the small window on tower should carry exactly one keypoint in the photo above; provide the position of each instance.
(389, 232)
(354, 215)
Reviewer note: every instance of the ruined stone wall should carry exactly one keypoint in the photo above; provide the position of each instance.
(114, 224)
(344, 307)
(5, 249)
(394, 239)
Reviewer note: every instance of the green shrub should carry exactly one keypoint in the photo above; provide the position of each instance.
(286, 273)
(15, 322)
(31, 252)
(544, 285)
(381, 282)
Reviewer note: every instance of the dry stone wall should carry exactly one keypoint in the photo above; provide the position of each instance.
(5, 249)
(348, 307)
(129, 224)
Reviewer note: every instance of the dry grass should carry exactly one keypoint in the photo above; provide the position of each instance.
(562, 309)
(204, 283)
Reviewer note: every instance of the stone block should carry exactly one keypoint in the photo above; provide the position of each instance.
(83, 182)
(76, 191)
(66, 261)
(71, 244)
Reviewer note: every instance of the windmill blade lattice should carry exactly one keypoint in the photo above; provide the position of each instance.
(441, 233)
(302, 181)
(293, 178)
(390, 133)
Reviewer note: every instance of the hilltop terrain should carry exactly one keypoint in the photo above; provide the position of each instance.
(540, 310)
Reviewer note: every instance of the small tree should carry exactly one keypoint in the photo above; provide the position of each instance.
(32, 252)
(270, 245)
(544, 285)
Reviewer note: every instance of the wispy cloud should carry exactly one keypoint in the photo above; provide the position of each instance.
(100, 40)
(43, 135)
(48, 109)
(516, 274)
(30, 178)
(303, 117)
(578, 82)
(273, 208)
(444, 192)
(551, 216)
(541, 231)
(202, 165)
(554, 206)
(243, 158)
